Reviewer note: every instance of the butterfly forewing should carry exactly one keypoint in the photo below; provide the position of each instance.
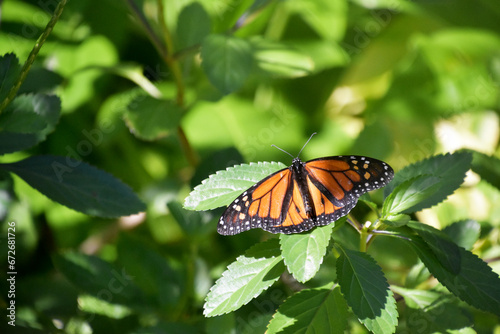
(305, 195)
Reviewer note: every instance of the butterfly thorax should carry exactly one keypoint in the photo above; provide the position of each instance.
(299, 174)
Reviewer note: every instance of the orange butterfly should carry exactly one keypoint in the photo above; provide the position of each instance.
(305, 195)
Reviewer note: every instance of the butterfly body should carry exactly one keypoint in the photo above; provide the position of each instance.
(305, 195)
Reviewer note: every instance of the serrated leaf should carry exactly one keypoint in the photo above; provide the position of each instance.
(322, 310)
(449, 168)
(303, 252)
(223, 187)
(445, 250)
(366, 291)
(245, 279)
(27, 121)
(193, 25)
(227, 61)
(9, 71)
(408, 195)
(99, 279)
(464, 233)
(437, 312)
(475, 283)
(488, 167)
(77, 185)
(150, 118)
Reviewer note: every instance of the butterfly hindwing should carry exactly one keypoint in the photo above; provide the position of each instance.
(305, 195)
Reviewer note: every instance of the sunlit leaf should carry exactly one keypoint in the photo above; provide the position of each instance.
(408, 195)
(450, 169)
(224, 186)
(245, 279)
(95, 305)
(303, 252)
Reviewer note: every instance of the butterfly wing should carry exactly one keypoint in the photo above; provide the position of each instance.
(260, 206)
(336, 183)
(282, 202)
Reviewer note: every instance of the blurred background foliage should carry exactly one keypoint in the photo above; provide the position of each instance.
(395, 80)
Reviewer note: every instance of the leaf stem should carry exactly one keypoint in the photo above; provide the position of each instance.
(147, 27)
(34, 52)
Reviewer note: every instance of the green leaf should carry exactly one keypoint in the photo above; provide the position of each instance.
(281, 60)
(92, 304)
(327, 18)
(408, 195)
(227, 61)
(449, 168)
(149, 118)
(464, 233)
(322, 310)
(366, 291)
(417, 275)
(13, 142)
(396, 220)
(150, 270)
(99, 279)
(436, 312)
(9, 72)
(475, 283)
(223, 187)
(77, 185)
(193, 25)
(445, 250)
(27, 121)
(31, 113)
(245, 279)
(488, 167)
(303, 252)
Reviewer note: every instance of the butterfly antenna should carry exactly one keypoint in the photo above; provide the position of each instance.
(282, 150)
(306, 144)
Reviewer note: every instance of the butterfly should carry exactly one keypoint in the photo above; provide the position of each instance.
(305, 195)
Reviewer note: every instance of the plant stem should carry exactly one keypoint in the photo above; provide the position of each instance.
(149, 31)
(34, 52)
(173, 65)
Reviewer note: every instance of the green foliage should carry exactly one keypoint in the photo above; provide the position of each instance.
(180, 100)
(311, 311)
(245, 279)
(77, 185)
(227, 61)
(303, 253)
(222, 188)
